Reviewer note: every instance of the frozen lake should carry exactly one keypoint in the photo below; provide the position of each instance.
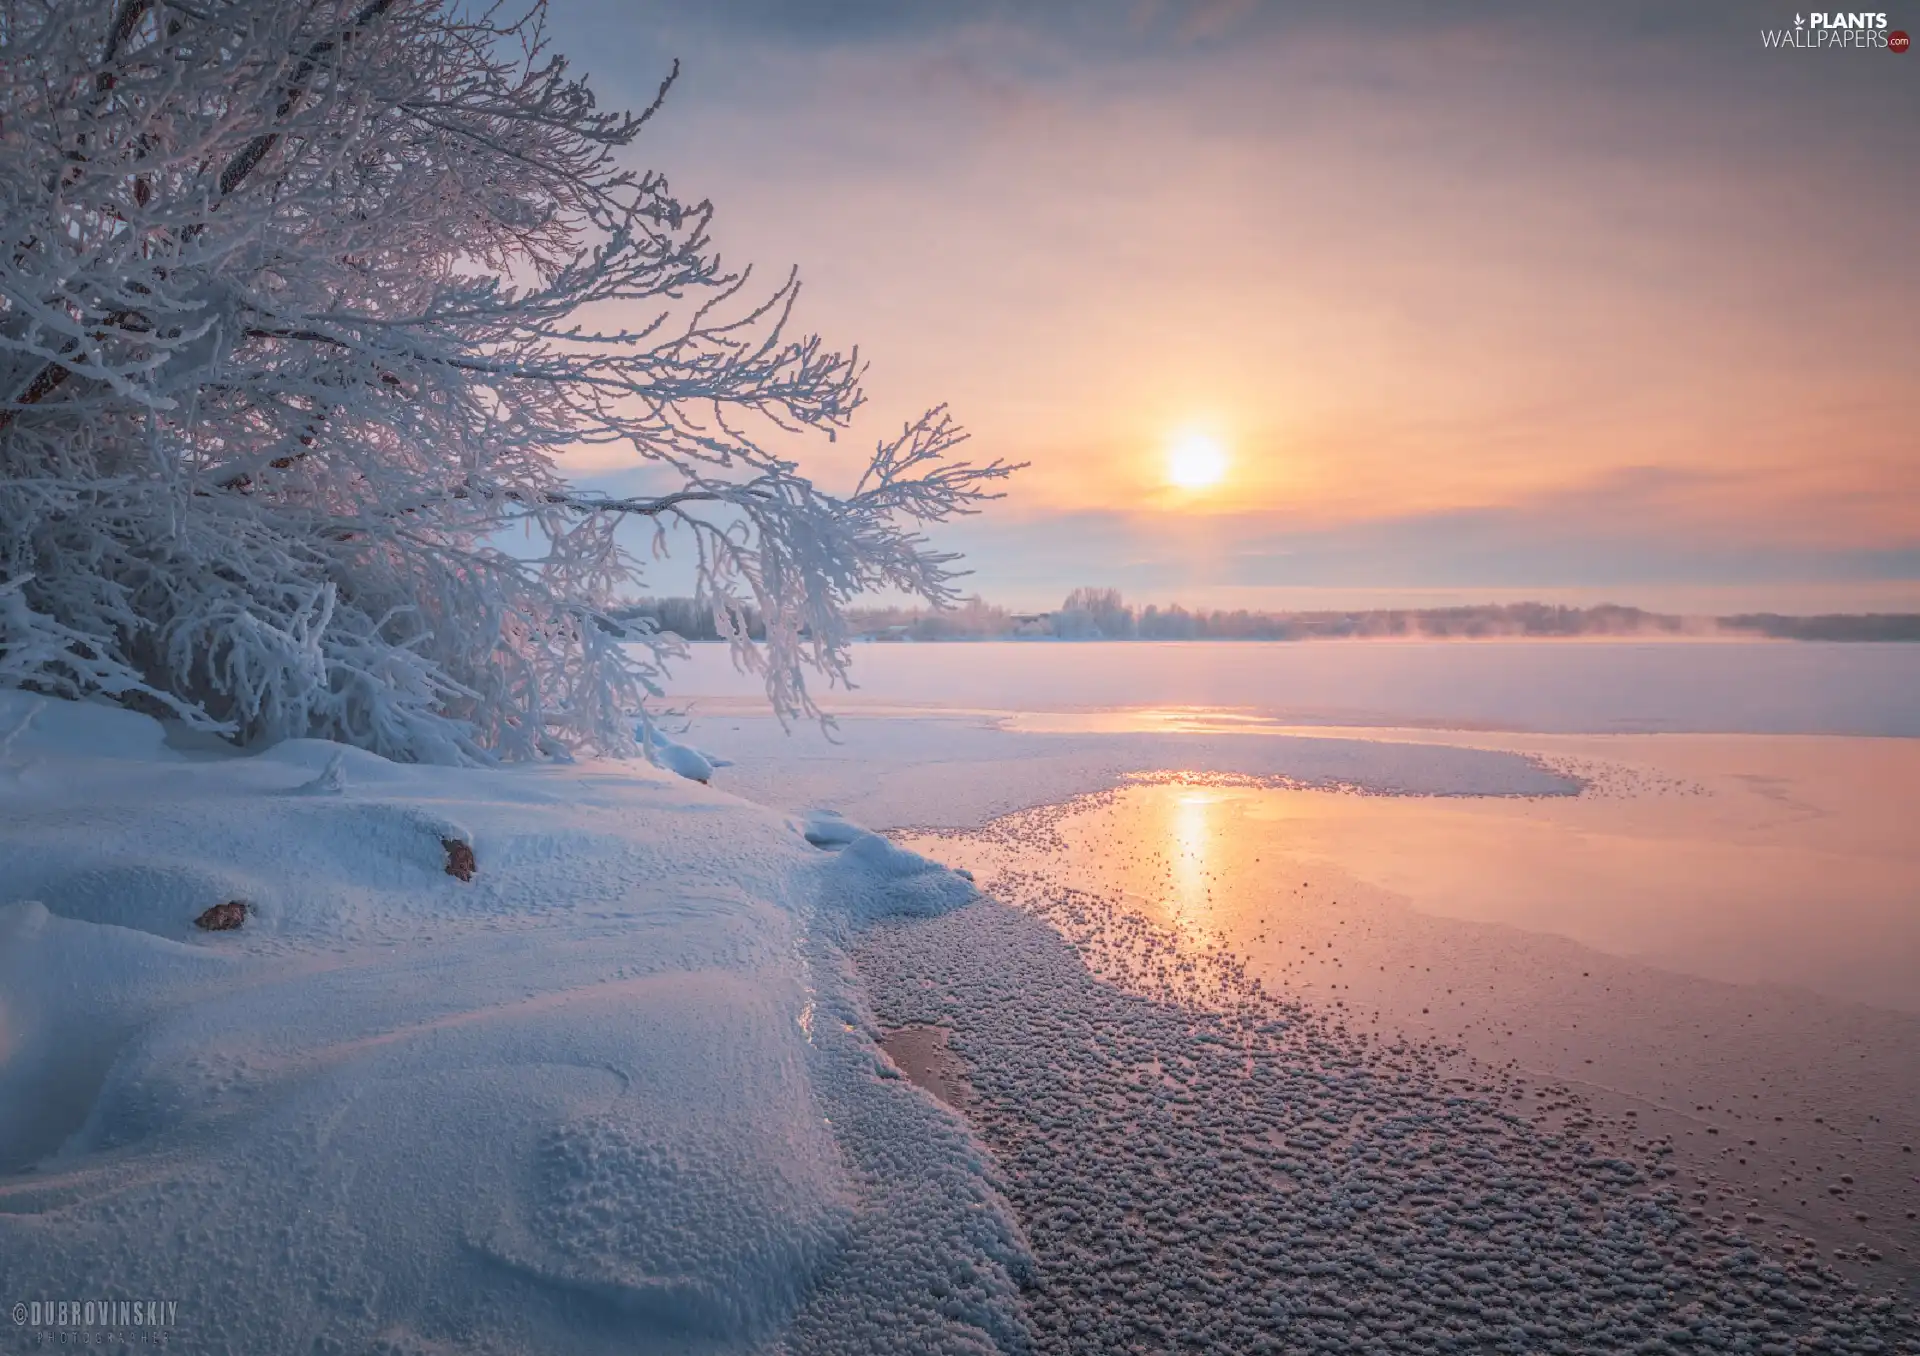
(1601, 686)
(1746, 821)
(1716, 942)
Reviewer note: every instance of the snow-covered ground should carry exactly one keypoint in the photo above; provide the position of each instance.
(1202, 1164)
(638, 1084)
(614, 1093)
(1667, 1130)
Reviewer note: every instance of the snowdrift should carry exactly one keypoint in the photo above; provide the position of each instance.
(615, 1092)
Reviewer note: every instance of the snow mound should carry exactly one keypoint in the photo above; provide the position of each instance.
(688, 763)
(695, 765)
(33, 727)
(828, 829)
(330, 781)
(72, 995)
(883, 880)
(873, 877)
(710, 1212)
(590, 1100)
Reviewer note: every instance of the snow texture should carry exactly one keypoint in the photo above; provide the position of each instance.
(1200, 1166)
(961, 771)
(625, 1091)
(829, 829)
(680, 759)
(615, 1094)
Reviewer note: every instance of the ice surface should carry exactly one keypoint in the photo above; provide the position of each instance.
(1287, 1175)
(954, 770)
(1765, 1092)
(1202, 1165)
(1585, 686)
(624, 1090)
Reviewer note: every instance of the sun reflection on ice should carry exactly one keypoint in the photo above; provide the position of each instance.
(1191, 834)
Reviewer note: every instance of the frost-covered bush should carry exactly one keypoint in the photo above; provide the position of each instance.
(299, 303)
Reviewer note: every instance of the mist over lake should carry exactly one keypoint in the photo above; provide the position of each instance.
(1585, 686)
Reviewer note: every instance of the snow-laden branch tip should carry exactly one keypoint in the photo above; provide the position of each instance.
(299, 308)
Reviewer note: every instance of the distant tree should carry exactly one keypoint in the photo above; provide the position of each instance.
(686, 618)
(299, 304)
(1094, 614)
(1173, 624)
(1873, 626)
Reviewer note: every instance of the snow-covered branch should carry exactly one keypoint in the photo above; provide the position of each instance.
(299, 307)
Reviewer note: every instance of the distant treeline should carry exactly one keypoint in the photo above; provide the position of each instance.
(1833, 626)
(1103, 614)
(686, 618)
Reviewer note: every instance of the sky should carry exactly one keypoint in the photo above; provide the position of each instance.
(1482, 302)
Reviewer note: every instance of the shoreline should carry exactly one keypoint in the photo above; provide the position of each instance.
(1197, 1160)
(1778, 1091)
(661, 1048)
(1818, 1180)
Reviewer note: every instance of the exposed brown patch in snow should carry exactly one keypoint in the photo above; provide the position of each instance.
(922, 1053)
(223, 917)
(459, 858)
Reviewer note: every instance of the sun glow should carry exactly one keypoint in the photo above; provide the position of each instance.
(1196, 462)
(1191, 846)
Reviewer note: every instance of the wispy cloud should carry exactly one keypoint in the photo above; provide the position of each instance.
(1598, 292)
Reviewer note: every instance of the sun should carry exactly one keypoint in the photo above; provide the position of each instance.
(1196, 462)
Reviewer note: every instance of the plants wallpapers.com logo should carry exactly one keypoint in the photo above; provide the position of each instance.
(1840, 30)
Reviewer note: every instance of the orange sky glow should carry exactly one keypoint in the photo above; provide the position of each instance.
(1477, 300)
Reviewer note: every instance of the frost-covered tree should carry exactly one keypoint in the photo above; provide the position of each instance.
(301, 301)
(1094, 614)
